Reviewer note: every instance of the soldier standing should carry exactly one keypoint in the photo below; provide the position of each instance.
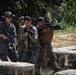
(10, 32)
(3, 45)
(46, 47)
(31, 53)
(21, 39)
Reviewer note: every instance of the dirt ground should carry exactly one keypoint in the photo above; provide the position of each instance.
(62, 40)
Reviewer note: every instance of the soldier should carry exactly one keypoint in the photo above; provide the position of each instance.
(46, 47)
(31, 53)
(3, 45)
(21, 39)
(10, 32)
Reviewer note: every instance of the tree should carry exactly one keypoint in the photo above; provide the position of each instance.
(68, 12)
(62, 10)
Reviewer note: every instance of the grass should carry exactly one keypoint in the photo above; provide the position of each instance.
(67, 30)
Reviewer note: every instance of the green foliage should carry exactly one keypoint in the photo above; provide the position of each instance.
(70, 29)
(63, 10)
(68, 12)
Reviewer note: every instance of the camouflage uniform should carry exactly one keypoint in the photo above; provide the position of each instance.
(3, 45)
(3, 50)
(21, 39)
(31, 53)
(46, 53)
(21, 43)
(10, 29)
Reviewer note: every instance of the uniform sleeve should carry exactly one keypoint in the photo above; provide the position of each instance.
(15, 31)
(34, 39)
(15, 34)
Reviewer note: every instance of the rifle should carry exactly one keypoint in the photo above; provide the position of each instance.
(30, 32)
(10, 41)
(6, 33)
(48, 25)
(54, 26)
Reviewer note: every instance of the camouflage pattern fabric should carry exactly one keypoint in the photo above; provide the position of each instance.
(3, 46)
(47, 56)
(11, 30)
(3, 52)
(32, 54)
(21, 49)
(21, 43)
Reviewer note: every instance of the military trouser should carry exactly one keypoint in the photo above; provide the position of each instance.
(21, 49)
(12, 55)
(3, 52)
(32, 55)
(47, 56)
(3, 56)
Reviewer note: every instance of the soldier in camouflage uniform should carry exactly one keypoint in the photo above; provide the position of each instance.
(10, 32)
(21, 39)
(3, 45)
(46, 47)
(4, 42)
(31, 53)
